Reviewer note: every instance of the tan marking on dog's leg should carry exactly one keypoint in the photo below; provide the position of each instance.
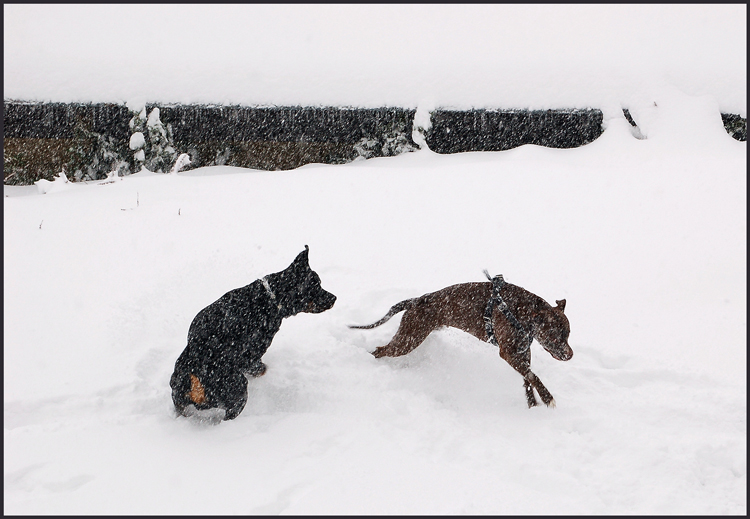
(197, 393)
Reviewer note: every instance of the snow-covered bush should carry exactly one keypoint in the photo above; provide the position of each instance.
(735, 125)
(397, 142)
(152, 143)
(162, 153)
(422, 122)
(182, 161)
(366, 148)
(95, 155)
(137, 140)
(390, 140)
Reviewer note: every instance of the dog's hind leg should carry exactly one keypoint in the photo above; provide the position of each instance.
(412, 331)
(180, 383)
(234, 395)
(257, 369)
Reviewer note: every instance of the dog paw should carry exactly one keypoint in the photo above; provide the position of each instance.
(211, 416)
(552, 403)
(257, 370)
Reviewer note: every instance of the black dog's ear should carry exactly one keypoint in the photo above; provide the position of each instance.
(301, 258)
(561, 304)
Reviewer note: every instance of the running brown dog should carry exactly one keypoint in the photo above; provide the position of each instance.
(497, 312)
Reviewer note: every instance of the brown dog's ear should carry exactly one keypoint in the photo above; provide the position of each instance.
(561, 305)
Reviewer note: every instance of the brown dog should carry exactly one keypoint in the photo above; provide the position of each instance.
(497, 312)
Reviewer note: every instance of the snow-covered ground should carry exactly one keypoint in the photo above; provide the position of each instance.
(646, 239)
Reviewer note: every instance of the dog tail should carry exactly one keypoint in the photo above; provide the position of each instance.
(398, 307)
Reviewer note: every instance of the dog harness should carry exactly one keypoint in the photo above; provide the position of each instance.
(497, 300)
(264, 280)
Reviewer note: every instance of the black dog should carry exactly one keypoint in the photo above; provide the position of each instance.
(227, 339)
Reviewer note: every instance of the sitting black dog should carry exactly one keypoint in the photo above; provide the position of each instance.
(227, 339)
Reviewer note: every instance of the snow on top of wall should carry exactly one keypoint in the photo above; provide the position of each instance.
(460, 56)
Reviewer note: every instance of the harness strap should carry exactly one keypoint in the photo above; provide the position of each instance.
(496, 300)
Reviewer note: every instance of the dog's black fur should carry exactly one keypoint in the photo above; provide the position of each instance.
(227, 339)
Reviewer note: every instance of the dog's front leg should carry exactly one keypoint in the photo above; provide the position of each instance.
(545, 395)
(530, 398)
(522, 364)
(526, 361)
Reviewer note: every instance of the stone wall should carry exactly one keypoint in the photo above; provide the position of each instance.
(40, 139)
(496, 130)
(89, 141)
(283, 137)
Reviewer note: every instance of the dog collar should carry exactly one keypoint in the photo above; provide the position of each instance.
(264, 280)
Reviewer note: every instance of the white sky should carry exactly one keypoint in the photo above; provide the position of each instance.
(369, 55)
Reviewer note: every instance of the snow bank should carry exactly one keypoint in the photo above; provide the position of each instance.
(60, 183)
